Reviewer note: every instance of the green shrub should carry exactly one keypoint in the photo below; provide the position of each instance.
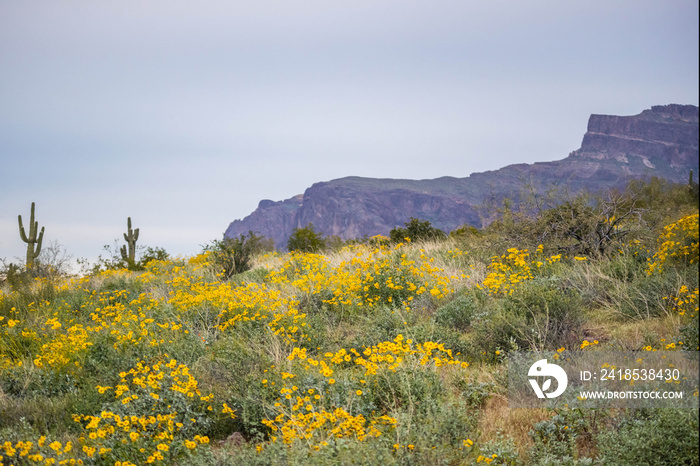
(405, 390)
(458, 313)
(475, 393)
(153, 254)
(689, 335)
(652, 437)
(538, 315)
(415, 230)
(233, 371)
(642, 298)
(232, 256)
(306, 240)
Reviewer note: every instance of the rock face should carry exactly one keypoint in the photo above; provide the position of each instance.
(661, 141)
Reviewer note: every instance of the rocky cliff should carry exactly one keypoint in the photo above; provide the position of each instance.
(661, 141)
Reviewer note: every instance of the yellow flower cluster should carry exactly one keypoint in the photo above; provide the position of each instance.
(221, 305)
(28, 452)
(678, 243)
(387, 355)
(318, 427)
(156, 406)
(372, 277)
(308, 413)
(515, 267)
(129, 322)
(586, 343)
(685, 301)
(65, 350)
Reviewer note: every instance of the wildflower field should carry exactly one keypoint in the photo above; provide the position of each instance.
(376, 353)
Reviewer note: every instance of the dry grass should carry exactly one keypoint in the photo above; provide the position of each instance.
(633, 336)
(499, 420)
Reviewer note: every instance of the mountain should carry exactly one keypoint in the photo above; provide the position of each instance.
(661, 141)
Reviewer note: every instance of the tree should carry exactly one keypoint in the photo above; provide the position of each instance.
(416, 230)
(577, 227)
(306, 240)
(153, 254)
(234, 255)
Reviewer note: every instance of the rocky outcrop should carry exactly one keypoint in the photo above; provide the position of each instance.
(661, 141)
(271, 219)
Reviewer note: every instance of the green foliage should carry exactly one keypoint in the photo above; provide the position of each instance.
(53, 264)
(661, 201)
(475, 393)
(458, 313)
(539, 315)
(33, 243)
(153, 254)
(502, 450)
(465, 231)
(591, 225)
(644, 297)
(15, 276)
(233, 370)
(555, 438)
(577, 227)
(306, 240)
(652, 437)
(690, 334)
(115, 261)
(415, 230)
(131, 236)
(233, 256)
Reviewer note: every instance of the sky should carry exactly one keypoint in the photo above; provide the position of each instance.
(183, 115)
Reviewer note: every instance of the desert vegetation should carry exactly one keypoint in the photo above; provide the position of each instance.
(383, 351)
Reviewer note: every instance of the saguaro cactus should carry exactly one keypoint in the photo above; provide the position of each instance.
(33, 243)
(130, 237)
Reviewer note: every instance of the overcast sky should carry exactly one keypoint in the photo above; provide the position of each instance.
(185, 114)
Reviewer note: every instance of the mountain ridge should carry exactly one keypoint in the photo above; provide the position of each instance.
(661, 141)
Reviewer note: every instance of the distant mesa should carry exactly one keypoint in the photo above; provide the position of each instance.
(661, 141)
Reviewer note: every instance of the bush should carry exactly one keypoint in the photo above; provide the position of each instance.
(457, 313)
(232, 256)
(652, 437)
(114, 260)
(306, 240)
(156, 414)
(415, 230)
(153, 254)
(678, 245)
(690, 334)
(538, 315)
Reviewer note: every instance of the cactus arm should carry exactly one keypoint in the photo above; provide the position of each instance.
(38, 243)
(22, 234)
(136, 235)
